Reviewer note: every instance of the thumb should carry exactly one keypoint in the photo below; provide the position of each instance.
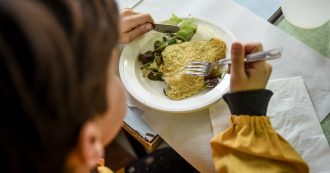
(237, 60)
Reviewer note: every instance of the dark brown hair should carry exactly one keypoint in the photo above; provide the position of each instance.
(54, 56)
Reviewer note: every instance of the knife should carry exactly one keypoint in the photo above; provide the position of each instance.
(165, 28)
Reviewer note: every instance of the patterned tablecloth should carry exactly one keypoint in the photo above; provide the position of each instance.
(318, 39)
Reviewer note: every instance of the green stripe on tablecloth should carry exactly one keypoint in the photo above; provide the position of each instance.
(326, 127)
(318, 38)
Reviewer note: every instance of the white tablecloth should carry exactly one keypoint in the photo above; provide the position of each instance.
(292, 115)
(298, 59)
(189, 134)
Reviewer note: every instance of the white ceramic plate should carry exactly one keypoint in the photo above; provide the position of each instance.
(150, 93)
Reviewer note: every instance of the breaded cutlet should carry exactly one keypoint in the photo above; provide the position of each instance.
(177, 56)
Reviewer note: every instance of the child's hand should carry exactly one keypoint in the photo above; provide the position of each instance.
(247, 76)
(133, 24)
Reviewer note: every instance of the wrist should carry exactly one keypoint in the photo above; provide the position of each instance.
(254, 102)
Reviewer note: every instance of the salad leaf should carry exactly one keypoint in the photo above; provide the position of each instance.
(168, 39)
(188, 27)
(146, 57)
(153, 60)
(174, 20)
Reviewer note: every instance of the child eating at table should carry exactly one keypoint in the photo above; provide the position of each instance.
(62, 101)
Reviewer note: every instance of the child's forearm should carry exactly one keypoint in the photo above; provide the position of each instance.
(250, 144)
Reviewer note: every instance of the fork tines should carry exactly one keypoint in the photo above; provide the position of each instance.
(197, 68)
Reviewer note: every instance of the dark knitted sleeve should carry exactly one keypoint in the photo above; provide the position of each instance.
(254, 102)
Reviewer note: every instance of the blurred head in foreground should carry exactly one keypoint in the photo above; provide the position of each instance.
(61, 101)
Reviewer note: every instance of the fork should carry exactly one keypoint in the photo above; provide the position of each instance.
(205, 68)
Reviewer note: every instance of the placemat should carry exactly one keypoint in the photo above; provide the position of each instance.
(318, 38)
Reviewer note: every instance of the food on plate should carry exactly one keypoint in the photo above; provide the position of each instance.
(173, 52)
(152, 60)
(177, 56)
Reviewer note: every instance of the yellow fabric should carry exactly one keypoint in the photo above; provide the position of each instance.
(103, 169)
(251, 145)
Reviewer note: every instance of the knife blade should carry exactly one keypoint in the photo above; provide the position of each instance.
(165, 28)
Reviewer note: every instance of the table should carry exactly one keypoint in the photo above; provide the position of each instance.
(317, 84)
(140, 131)
(267, 9)
(318, 39)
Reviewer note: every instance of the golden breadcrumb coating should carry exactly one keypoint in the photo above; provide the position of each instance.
(177, 56)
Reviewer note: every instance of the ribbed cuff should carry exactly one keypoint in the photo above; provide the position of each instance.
(254, 102)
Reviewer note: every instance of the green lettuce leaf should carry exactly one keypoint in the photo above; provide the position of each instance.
(174, 20)
(188, 27)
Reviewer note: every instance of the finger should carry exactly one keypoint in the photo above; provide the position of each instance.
(253, 47)
(228, 69)
(237, 60)
(256, 65)
(127, 12)
(253, 68)
(136, 32)
(269, 69)
(133, 21)
(259, 67)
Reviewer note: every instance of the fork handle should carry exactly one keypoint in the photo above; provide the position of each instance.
(259, 56)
